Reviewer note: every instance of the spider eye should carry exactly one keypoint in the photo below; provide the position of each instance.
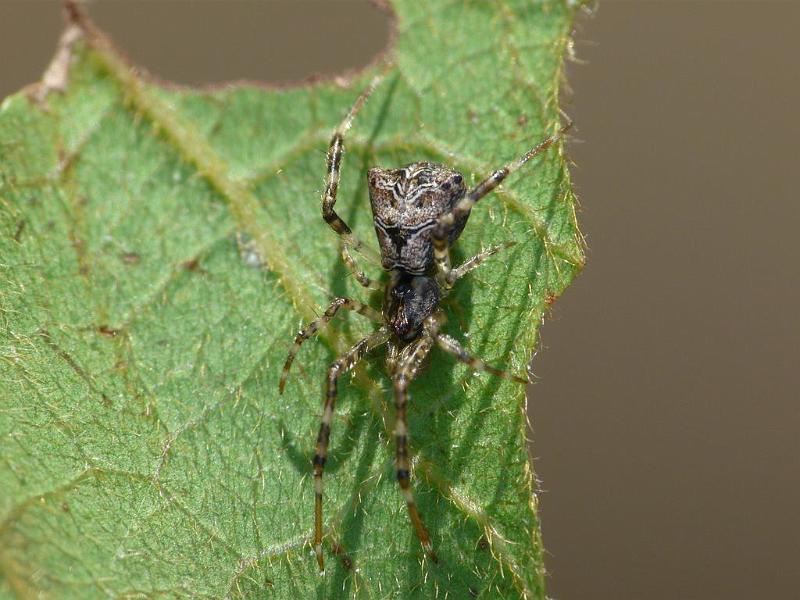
(457, 179)
(446, 185)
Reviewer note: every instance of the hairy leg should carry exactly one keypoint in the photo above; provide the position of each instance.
(322, 321)
(334, 160)
(341, 366)
(406, 370)
(450, 345)
(474, 262)
(463, 207)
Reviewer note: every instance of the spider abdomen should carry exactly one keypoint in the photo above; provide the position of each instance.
(409, 300)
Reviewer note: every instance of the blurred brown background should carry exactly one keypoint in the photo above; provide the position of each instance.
(666, 417)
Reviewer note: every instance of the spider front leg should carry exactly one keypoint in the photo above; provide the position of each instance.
(357, 272)
(341, 366)
(316, 324)
(405, 370)
(454, 219)
(335, 152)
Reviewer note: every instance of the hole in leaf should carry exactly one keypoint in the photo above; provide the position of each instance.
(215, 42)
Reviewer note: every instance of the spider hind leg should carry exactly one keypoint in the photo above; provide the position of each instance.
(317, 324)
(450, 345)
(407, 367)
(340, 366)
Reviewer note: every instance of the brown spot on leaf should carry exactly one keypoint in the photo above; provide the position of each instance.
(347, 562)
(19, 230)
(192, 265)
(130, 258)
(65, 162)
(107, 331)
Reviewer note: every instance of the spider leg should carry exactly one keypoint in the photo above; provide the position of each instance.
(392, 356)
(450, 345)
(357, 272)
(340, 366)
(335, 151)
(322, 321)
(475, 262)
(461, 211)
(406, 370)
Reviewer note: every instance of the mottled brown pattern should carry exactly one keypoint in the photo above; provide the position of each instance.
(406, 206)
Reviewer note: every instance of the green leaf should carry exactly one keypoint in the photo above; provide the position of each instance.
(159, 248)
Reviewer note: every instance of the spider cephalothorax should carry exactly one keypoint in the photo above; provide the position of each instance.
(406, 205)
(418, 211)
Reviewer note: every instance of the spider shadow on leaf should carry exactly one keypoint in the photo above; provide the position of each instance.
(471, 433)
(353, 521)
(537, 259)
(448, 450)
(509, 454)
(298, 454)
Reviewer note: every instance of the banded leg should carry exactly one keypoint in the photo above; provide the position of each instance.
(392, 356)
(316, 324)
(335, 152)
(407, 367)
(475, 262)
(464, 206)
(450, 345)
(351, 263)
(341, 366)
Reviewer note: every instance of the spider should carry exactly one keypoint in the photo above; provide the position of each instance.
(418, 211)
